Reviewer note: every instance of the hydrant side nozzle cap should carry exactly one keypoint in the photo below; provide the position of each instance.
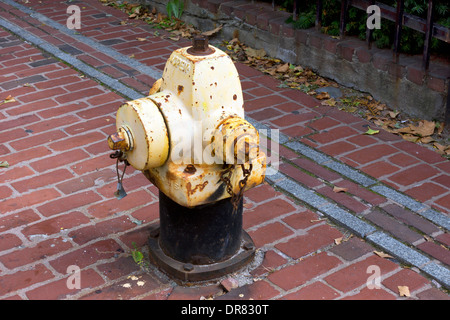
(116, 141)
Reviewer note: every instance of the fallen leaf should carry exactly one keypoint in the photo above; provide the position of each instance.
(382, 254)
(403, 291)
(393, 114)
(141, 39)
(4, 164)
(330, 102)
(8, 99)
(425, 128)
(371, 131)
(427, 140)
(339, 189)
(338, 240)
(140, 283)
(213, 31)
(126, 285)
(323, 96)
(440, 148)
(260, 53)
(283, 68)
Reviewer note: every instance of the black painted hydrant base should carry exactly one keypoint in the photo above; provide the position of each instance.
(200, 243)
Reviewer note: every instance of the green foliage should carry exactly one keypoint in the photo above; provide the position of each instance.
(175, 8)
(411, 41)
(138, 257)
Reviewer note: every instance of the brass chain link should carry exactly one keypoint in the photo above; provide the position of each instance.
(225, 177)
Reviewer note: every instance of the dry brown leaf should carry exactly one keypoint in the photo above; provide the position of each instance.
(338, 240)
(382, 254)
(339, 189)
(440, 148)
(403, 291)
(425, 128)
(283, 68)
(410, 137)
(330, 102)
(141, 39)
(260, 53)
(393, 114)
(427, 140)
(323, 95)
(213, 31)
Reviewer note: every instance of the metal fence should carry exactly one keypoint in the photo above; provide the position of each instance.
(398, 15)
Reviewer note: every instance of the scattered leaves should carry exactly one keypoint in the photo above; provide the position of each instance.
(296, 77)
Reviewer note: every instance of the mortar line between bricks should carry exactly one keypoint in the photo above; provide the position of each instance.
(348, 172)
(67, 58)
(324, 160)
(308, 196)
(148, 70)
(379, 238)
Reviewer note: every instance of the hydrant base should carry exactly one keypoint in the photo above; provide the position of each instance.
(187, 272)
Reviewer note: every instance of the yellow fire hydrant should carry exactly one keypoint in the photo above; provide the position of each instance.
(190, 139)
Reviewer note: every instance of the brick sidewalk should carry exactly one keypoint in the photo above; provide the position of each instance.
(58, 207)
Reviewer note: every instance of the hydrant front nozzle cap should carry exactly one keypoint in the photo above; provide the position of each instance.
(117, 141)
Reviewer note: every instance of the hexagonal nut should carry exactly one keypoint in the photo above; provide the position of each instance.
(117, 141)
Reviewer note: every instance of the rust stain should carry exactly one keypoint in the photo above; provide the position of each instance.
(234, 97)
(180, 89)
(200, 187)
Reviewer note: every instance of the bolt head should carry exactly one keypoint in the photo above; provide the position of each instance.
(188, 267)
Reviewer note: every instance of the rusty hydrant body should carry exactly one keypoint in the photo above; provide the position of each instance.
(190, 139)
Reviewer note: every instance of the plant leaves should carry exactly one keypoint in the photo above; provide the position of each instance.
(137, 256)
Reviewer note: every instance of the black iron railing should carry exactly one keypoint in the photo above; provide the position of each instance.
(397, 15)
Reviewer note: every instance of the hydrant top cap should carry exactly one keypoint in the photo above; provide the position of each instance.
(200, 46)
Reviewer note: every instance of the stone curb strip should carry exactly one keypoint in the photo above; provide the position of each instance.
(275, 178)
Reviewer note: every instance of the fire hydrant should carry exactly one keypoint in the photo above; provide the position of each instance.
(190, 139)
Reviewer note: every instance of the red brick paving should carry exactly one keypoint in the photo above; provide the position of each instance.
(58, 207)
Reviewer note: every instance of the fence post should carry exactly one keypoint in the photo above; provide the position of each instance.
(428, 37)
(369, 31)
(343, 21)
(398, 28)
(319, 15)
